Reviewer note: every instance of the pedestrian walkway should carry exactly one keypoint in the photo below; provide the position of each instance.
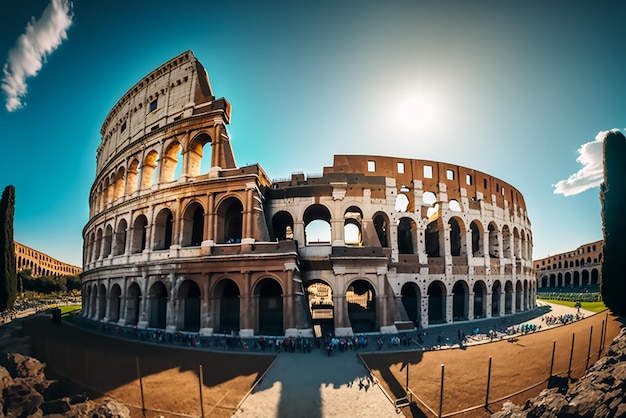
(315, 385)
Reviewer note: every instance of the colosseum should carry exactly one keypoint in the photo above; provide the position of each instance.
(181, 238)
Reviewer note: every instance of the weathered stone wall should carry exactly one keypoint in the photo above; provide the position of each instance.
(599, 394)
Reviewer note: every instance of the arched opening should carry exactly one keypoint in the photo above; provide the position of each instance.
(190, 296)
(133, 176)
(320, 297)
(568, 279)
(477, 241)
(553, 280)
(108, 237)
(230, 221)
(508, 297)
(517, 244)
(157, 295)
(402, 203)
(228, 304)
(163, 226)
(559, 279)
(148, 170)
(460, 301)
(114, 303)
(196, 163)
(432, 239)
(407, 236)
(119, 244)
(436, 303)
(585, 275)
(352, 226)
(118, 186)
(381, 225)
(519, 294)
(282, 225)
(98, 248)
(457, 238)
(494, 246)
(480, 299)
(171, 162)
(93, 306)
(102, 301)
(506, 241)
(496, 291)
(86, 301)
(412, 301)
(361, 300)
(317, 228)
(193, 225)
(270, 313)
(139, 234)
(576, 279)
(595, 277)
(133, 296)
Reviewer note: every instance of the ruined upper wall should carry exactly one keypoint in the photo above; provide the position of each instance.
(454, 177)
(178, 89)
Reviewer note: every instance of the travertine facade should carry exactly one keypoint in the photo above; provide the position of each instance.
(181, 238)
(41, 264)
(573, 269)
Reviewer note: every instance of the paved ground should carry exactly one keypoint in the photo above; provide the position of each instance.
(341, 383)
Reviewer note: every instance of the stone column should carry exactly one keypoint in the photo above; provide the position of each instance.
(470, 306)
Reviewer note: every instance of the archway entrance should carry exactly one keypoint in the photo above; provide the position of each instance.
(270, 313)
(436, 303)
(411, 300)
(361, 300)
(190, 295)
(227, 294)
(158, 305)
(320, 297)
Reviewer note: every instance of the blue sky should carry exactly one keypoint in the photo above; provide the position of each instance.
(519, 90)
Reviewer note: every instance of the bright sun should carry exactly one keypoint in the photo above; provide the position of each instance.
(417, 112)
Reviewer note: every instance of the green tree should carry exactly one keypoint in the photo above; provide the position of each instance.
(612, 198)
(8, 276)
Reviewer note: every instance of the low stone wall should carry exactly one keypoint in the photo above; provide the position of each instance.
(598, 394)
(27, 393)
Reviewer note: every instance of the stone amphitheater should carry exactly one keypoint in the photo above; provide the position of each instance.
(182, 239)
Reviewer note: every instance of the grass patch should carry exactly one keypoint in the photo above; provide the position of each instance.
(588, 306)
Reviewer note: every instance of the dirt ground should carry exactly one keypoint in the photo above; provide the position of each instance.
(105, 366)
(170, 376)
(514, 366)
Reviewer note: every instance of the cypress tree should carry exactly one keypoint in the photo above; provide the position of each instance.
(8, 275)
(613, 200)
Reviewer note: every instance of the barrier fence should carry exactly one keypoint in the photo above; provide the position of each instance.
(551, 379)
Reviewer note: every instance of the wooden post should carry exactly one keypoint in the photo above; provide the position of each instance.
(407, 377)
(488, 384)
(143, 404)
(589, 348)
(441, 393)
(552, 361)
(601, 338)
(201, 381)
(571, 354)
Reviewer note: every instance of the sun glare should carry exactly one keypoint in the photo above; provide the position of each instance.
(417, 111)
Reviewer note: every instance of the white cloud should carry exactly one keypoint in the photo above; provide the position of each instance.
(591, 174)
(39, 40)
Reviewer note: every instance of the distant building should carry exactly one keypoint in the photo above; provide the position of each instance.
(180, 237)
(41, 264)
(573, 269)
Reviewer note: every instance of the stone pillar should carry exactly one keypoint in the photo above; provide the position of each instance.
(488, 305)
(502, 302)
(424, 308)
(470, 307)
(245, 306)
(449, 307)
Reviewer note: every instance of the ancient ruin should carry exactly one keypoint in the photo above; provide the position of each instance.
(572, 269)
(181, 238)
